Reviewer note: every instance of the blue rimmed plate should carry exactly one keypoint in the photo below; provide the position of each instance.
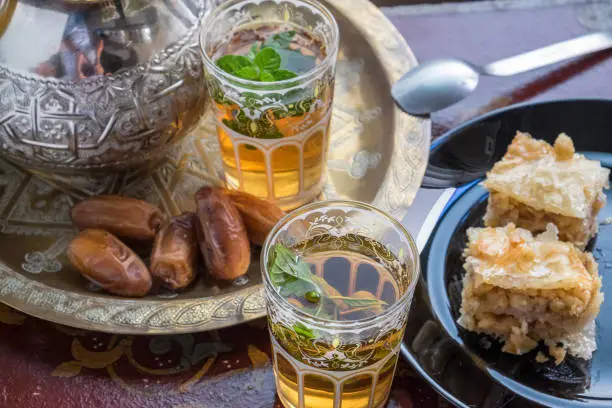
(469, 369)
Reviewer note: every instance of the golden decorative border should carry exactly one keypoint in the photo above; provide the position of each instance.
(412, 137)
(123, 316)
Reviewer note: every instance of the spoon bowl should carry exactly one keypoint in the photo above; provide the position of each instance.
(438, 84)
(435, 85)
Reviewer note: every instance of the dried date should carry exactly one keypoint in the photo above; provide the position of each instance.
(122, 216)
(222, 235)
(103, 259)
(259, 215)
(175, 252)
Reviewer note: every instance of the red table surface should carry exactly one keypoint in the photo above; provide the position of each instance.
(43, 365)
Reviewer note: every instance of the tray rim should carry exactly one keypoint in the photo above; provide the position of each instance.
(82, 311)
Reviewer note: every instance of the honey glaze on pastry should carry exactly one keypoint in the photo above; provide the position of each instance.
(536, 184)
(523, 289)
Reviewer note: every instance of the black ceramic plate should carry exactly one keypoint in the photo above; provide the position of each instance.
(468, 369)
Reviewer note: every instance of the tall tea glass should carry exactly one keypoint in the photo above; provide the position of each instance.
(273, 129)
(340, 362)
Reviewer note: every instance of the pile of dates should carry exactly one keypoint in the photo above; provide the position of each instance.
(220, 232)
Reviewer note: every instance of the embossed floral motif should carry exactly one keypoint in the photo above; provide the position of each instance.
(189, 61)
(322, 30)
(240, 17)
(252, 105)
(81, 310)
(53, 104)
(10, 181)
(328, 351)
(42, 201)
(337, 225)
(360, 163)
(339, 360)
(38, 262)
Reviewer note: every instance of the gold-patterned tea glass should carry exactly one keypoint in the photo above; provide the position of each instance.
(333, 362)
(273, 135)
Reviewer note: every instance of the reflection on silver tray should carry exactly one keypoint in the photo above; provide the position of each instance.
(377, 155)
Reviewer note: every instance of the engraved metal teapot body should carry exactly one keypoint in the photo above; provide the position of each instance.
(97, 85)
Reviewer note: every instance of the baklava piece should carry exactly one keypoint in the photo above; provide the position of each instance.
(523, 289)
(535, 184)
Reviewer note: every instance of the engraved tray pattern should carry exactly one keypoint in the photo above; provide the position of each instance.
(377, 155)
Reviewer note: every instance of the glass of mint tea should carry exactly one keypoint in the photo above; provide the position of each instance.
(270, 67)
(339, 278)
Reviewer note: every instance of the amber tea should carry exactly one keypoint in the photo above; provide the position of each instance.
(293, 167)
(272, 85)
(344, 285)
(337, 341)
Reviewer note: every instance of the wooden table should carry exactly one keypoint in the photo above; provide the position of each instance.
(43, 365)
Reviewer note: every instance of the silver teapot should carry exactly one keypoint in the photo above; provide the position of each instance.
(91, 85)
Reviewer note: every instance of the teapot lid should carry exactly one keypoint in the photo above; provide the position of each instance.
(73, 40)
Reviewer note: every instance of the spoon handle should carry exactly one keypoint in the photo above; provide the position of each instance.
(551, 54)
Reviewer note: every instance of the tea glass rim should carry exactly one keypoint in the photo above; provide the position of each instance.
(336, 324)
(329, 60)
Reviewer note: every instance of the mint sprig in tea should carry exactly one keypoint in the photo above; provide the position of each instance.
(273, 109)
(277, 58)
(338, 279)
(305, 286)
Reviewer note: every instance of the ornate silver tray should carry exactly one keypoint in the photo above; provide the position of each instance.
(377, 155)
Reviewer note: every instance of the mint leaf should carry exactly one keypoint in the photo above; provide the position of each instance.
(250, 73)
(285, 267)
(266, 76)
(281, 40)
(264, 61)
(277, 276)
(278, 259)
(295, 61)
(254, 50)
(297, 288)
(267, 60)
(304, 331)
(359, 302)
(282, 74)
(233, 63)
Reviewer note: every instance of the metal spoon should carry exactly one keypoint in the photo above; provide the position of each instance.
(438, 84)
